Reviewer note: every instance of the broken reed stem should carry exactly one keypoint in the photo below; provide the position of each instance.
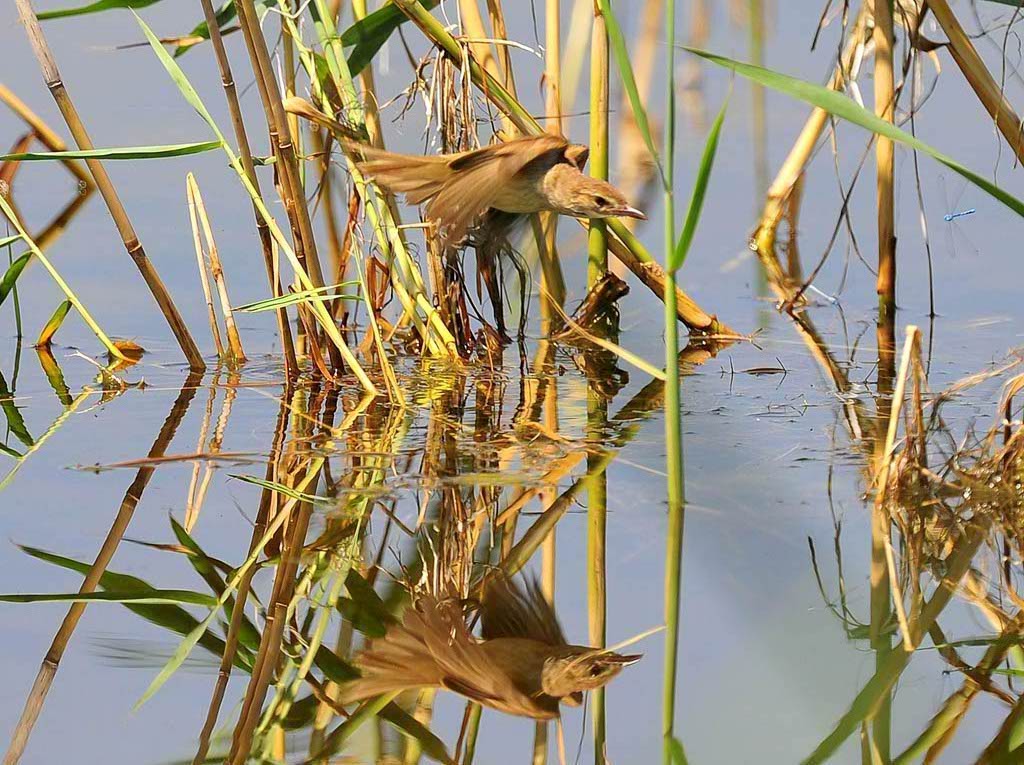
(217, 271)
(793, 166)
(988, 91)
(204, 280)
(45, 134)
(241, 137)
(626, 247)
(48, 66)
(597, 239)
(885, 107)
(277, 121)
(910, 349)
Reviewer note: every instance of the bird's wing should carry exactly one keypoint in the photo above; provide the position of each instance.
(464, 664)
(508, 610)
(478, 176)
(419, 178)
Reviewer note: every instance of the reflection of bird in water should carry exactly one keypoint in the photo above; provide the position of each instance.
(526, 175)
(522, 664)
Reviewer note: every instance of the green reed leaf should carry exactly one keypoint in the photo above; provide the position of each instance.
(97, 7)
(10, 277)
(370, 33)
(171, 617)
(303, 296)
(846, 108)
(15, 422)
(124, 152)
(621, 53)
(53, 324)
(152, 596)
(700, 187)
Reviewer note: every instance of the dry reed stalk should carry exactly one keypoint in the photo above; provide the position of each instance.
(552, 280)
(636, 166)
(132, 497)
(213, 449)
(597, 238)
(191, 496)
(547, 585)
(204, 279)
(987, 89)
(292, 193)
(241, 137)
(306, 473)
(577, 42)
(910, 349)
(793, 166)
(44, 133)
(473, 27)
(268, 508)
(55, 84)
(497, 16)
(885, 107)
(371, 114)
(217, 272)
(626, 247)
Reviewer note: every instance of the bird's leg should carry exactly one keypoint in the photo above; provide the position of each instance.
(486, 269)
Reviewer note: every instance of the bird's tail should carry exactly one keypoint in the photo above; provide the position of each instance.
(399, 661)
(419, 178)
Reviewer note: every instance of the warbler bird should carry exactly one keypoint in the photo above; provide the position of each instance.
(521, 664)
(525, 175)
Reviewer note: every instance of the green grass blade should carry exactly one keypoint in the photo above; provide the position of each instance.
(186, 645)
(621, 53)
(10, 276)
(678, 755)
(281, 489)
(97, 7)
(303, 296)
(124, 152)
(700, 187)
(846, 108)
(227, 13)
(171, 617)
(248, 635)
(5, 208)
(53, 324)
(179, 78)
(152, 596)
(15, 422)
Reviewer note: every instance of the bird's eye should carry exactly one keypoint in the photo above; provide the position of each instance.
(600, 201)
(595, 671)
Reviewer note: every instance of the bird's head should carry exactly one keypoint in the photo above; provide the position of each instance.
(582, 669)
(581, 196)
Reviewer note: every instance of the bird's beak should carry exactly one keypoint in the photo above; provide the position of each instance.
(624, 660)
(629, 212)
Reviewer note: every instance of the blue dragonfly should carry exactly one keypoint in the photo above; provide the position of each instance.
(953, 216)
